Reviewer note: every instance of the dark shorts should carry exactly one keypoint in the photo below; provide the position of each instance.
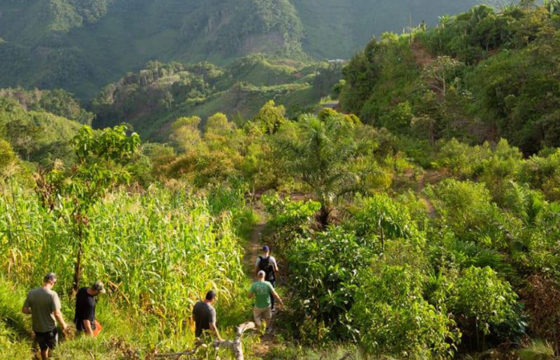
(200, 330)
(47, 340)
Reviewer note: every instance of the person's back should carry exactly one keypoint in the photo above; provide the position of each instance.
(266, 264)
(204, 314)
(43, 303)
(262, 290)
(85, 309)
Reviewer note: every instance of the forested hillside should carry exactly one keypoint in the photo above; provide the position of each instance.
(337, 29)
(34, 134)
(477, 76)
(83, 45)
(154, 97)
(410, 196)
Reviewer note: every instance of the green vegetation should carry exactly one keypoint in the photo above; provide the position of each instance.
(481, 75)
(375, 262)
(35, 135)
(337, 29)
(154, 97)
(57, 102)
(426, 226)
(82, 45)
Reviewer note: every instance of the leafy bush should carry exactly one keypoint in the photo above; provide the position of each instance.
(289, 219)
(467, 208)
(393, 318)
(543, 172)
(324, 278)
(381, 218)
(485, 305)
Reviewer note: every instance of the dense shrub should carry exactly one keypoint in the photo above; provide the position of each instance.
(393, 318)
(381, 218)
(467, 208)
(485, 305)
(324, 278)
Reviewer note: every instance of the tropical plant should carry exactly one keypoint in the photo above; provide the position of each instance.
(394, 319)
(485, 305)
(101, 159)
(320, 151)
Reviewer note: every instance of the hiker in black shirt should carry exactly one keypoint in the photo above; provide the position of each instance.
(205, 315)
(84, 317)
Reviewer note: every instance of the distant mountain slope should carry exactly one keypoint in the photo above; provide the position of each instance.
(338, 28)
(160, 93)
(35, 134)
(81, 45)
(479, 76)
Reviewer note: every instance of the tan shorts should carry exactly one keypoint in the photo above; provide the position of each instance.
(262, 314)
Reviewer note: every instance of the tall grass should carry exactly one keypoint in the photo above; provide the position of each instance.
(158, 252)
(14, 339)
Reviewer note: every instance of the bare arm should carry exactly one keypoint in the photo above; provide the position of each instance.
(87, 327)
(57, 313)
(216, 332)
(60, 319)
(275, 294)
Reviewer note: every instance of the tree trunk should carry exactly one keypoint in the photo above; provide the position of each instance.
(78, 265)
(382, 241)
(236, 345)
(323, 217)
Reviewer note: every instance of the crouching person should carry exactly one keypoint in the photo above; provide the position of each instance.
(86, 301)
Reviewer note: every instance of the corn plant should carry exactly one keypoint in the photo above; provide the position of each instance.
(101, 156)
(158, 251)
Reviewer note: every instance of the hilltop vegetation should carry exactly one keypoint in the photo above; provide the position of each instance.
(421, 223)
(480, 75)
(34, 135)
(337, 29)
(81, 46)
(382, 254)
(154, 97)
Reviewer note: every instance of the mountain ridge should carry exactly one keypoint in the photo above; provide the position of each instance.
(83, 45)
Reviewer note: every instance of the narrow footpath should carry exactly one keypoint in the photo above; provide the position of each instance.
(252, 251)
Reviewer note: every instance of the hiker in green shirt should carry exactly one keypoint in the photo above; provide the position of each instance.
(262, 290)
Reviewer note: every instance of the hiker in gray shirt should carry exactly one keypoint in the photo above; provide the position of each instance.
(43, 305)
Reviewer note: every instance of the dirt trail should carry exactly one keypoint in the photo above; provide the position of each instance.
(430, 177)
(421, 55)
(253, 250)
(254, 247)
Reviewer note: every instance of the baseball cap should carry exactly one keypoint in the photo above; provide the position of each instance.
(266, 248)
(261, 273)
(98, 286)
